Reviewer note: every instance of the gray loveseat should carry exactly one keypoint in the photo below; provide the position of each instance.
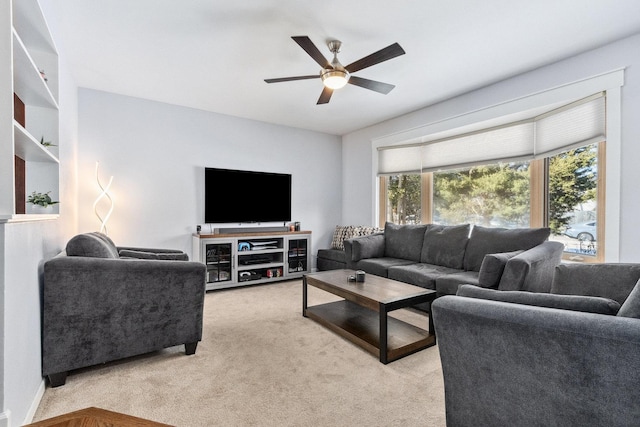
(102, 303)
(443, 257)
(569, 358)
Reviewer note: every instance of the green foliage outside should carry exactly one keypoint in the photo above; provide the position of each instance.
(404, 198)
(490, 195)
(498, 195)
(573, 179)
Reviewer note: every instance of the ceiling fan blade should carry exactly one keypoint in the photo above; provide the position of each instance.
(380, 87)
(325, 96)
(308, 46)
(289, 79)
(382, 55)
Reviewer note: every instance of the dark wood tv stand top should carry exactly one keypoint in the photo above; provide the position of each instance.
(249, 234)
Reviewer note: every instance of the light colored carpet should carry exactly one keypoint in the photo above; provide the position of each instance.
(260, 363)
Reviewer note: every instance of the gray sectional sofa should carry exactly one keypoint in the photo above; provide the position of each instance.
(443, 257)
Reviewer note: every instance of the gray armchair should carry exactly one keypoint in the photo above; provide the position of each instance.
(99, 306)
(509, 359)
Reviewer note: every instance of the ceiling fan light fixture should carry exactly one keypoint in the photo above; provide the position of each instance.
(334, 79)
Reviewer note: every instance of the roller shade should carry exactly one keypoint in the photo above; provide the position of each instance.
(574, 125)
(396, 160)
(505, 143)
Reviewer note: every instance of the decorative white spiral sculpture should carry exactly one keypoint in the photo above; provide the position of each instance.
(104, 193)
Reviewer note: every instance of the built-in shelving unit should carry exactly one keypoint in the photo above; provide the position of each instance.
(29, 110)
(242, 259)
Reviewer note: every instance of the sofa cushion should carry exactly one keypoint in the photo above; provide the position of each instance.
(423, 275)
(90, 245)
(445, 244)
(492, 268)
(564, 302)
(404, 241)
(380, 266)
(631, 306)
(449, 283)
(340, 234)
(609, 280)
(486, 240)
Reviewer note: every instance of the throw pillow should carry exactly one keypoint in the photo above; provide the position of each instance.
(492, 268)
(631, 306)
(444, 245)
(340, 234)
(89, 245)
(485, 240)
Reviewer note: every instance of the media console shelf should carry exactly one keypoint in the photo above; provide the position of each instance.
(241, 259)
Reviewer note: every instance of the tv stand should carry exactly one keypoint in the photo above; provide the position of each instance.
(252, 257)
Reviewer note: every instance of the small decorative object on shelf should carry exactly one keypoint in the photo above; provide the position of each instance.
(43, 75)
(46, 143)
(41, 202)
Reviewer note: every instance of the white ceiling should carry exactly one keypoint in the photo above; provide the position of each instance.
(213, 54)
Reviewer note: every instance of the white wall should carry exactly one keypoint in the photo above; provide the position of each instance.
(359, 198)
(25, 247)
(157, 153)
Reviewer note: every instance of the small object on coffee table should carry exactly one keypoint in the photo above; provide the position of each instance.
(362, 316)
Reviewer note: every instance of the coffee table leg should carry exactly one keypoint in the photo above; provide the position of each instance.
(304, 296)
(383, 333)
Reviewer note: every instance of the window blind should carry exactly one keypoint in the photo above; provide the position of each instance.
(577, 124)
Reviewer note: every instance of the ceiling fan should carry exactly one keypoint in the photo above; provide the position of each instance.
(335, 76)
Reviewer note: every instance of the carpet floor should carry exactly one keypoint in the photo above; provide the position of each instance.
(260, 363)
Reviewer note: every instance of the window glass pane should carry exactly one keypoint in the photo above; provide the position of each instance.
(495, 195)
(573, 181)
(404, 199)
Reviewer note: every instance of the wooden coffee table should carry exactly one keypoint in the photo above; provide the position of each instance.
(362, 316)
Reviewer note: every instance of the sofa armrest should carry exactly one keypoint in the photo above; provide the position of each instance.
(533, 269)
(565, 302)
(166, 253)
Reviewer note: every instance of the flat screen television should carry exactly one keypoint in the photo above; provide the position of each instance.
(237, 196)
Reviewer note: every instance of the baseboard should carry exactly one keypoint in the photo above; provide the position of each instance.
(34, 404)
(5, 418)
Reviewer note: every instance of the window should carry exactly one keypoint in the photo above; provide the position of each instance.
(544, 171)
(495, 195)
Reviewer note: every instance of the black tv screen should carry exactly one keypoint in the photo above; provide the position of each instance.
(236, 196)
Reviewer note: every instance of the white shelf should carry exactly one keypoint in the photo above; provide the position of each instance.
(28, 20)
(28, 84)
(28, 149)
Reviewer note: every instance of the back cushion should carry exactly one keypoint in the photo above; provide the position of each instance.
(90, 245)
(486, 240)
(631, 306)
(444, 245)
(404, 241)
(607, 280)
